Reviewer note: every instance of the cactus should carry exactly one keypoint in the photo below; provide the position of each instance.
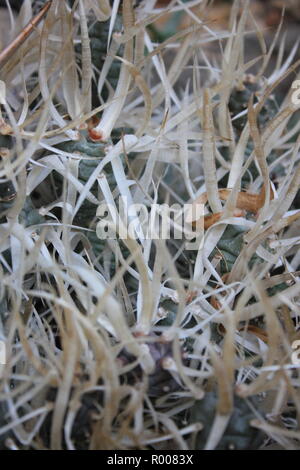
(98, 34)
(239, 434)
(112, 344)
(239, 99)
(229, 247)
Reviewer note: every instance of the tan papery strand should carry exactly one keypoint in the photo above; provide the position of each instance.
(26, 31)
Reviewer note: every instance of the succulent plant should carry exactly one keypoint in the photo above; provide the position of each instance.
(238, 435)
(119, 343)
(239, 99)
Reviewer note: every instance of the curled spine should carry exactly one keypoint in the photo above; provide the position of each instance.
(112, 112)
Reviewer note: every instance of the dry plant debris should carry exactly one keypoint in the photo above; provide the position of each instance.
(140, 343)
